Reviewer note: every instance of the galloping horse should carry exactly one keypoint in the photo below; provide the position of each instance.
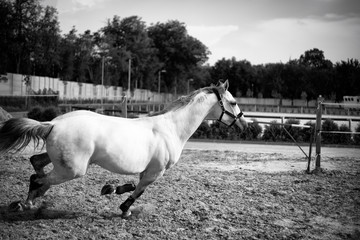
(147, 146)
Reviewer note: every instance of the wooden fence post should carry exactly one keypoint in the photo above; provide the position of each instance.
(318, 132)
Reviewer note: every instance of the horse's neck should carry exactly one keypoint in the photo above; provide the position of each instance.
(189, 118)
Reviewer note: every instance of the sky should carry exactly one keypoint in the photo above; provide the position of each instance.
(259, 31)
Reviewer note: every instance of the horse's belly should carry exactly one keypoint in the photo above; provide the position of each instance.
(122, 163)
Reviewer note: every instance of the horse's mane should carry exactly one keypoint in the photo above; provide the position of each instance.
(184, 100)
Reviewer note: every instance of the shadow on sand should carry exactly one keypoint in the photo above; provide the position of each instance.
(35, 214)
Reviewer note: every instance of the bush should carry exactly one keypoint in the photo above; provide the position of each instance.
(42, 115)
(307, 133)
(330, 125)
(295, 132)
(272, 132)
(22, 103)
(220, 131)
(344, 138)
(253, 132)
(35, 113)
(357, 136)
(203, 131)
(49, 114)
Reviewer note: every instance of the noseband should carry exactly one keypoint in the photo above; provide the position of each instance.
(226, 112)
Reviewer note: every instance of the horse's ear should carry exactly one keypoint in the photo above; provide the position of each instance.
(223, 86)
(226, 85)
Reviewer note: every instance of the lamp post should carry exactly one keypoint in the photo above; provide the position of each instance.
(129, 78)
(161, 71)
(103, 58)
(102, 80)
(188, 84)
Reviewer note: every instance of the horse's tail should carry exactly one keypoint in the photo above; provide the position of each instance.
(17, 133)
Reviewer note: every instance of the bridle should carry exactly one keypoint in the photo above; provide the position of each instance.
(226, 112)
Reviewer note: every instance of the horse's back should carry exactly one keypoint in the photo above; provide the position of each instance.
(76, 113)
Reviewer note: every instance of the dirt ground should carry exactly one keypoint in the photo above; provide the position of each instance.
(207, 195)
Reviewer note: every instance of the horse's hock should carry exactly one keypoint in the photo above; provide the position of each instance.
(4, 115)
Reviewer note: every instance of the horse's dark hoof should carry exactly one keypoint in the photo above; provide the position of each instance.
(16, 207)
(126, 215)
(107, 189)
(125, 188)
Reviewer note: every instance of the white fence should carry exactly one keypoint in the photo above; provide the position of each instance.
(15, 85)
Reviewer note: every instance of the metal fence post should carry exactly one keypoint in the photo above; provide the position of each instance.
(318, 132)
(124, 106)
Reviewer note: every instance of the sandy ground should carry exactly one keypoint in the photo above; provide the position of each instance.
(283, 157)
(260, 193)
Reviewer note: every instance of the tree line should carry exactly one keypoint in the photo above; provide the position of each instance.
(31, 43)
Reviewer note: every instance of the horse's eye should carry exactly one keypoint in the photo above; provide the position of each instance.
(233, 103)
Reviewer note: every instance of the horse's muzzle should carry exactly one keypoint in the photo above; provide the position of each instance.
(241, 123)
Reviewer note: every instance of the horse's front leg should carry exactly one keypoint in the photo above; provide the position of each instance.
(109, 189)
(146, 178)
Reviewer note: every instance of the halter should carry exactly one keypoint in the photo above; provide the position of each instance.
(224, 111)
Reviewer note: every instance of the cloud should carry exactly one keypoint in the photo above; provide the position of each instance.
(75, 6)
(284, 38)
(87, 3)
(211, 35)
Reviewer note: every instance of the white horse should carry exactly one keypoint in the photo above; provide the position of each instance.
(146, 146)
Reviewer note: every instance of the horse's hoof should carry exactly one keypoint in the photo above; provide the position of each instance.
(126, 214)
(16, 206)
(107, 189)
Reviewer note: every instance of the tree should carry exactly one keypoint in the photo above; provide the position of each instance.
(347, 75)
(46, 43)
(272, 81)
(25, 18)
(85, 64)
(6, 34)
(241, 75)
(314, 58)
(177, 52)
(128, 39)
(30, 37)
(67, 55)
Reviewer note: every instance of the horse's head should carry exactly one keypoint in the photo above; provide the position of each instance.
(227, 111)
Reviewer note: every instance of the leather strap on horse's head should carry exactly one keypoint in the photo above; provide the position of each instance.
(224, 111)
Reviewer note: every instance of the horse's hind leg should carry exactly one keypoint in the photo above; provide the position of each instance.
(39, 184)
(35, 190)
(39, 162)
